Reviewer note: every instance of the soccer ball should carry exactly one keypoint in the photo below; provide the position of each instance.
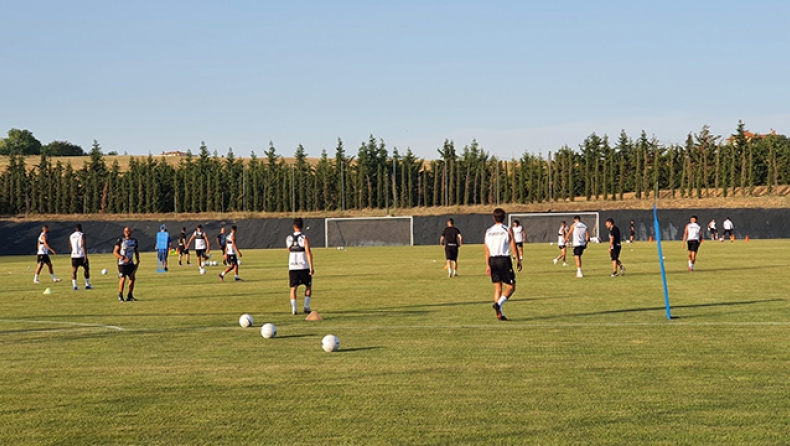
(104, 272)
(202, 270)
(246, 320)
(330, 343)
(268, 331)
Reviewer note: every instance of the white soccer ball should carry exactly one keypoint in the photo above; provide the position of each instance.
(104, 272)
(238, 262)
(551, 244)
(330, 343)
(246, 320)
(268, 331)
(202, 270)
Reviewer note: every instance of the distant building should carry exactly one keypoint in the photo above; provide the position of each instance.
(174, 153)
(752, 136)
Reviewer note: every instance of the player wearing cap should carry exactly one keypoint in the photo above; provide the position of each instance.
(692, 235)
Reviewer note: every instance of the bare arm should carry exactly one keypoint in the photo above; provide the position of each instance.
(309, 253)
(236, 248)
(569, 232)
(513, 248)
(488, 256)
(117, 252)
(136, 256)
(460, 240)
(84, 247)
(441, 240)
(685, 236)
(46, 244)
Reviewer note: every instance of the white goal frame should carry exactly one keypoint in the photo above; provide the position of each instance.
(330, 219)
(567, 216)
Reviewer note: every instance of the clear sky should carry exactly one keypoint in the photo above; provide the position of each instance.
(147, 76)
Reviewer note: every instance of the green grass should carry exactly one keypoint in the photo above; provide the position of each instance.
(422, 360)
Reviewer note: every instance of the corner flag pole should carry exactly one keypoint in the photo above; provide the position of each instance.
(661, 260)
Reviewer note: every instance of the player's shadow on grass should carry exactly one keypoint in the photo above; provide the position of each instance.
(674, 307)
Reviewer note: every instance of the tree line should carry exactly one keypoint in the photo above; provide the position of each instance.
(706, 165)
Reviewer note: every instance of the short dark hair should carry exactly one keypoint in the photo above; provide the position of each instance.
(184, 229)
(45, 227)
(200, 226)
(233, 228)
(563, 222)
(452, 222)
(576, 217)
(610, 220)
(78, 227)
(499, 215)
(298, 222)
(694, 217)
(517, 222)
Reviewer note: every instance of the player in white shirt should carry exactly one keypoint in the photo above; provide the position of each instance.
(712, 231)
(727, 226)
(232, 255)
(42, 251)
(518, 237)
(694, 238)
(580, 237)
(202, 247)
(79, 257)
(300, 265)
(499, 243)
(561, 234)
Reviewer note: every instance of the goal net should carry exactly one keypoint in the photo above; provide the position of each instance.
(543, 227)
(371, 231)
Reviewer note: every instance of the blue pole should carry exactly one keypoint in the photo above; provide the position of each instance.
(661, 260)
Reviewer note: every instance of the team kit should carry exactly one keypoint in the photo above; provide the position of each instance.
(503, 245)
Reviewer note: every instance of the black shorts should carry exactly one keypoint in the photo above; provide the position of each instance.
(693, 245)
(727, 233)
(520, 244)
(44, 259)
(562, 246)
(127, 269)
(451, 252)
(614, 254)
(183, 250)
(502, 270)
(79, 261)
(579, 250)
(300, 277)
(200, 253)
(232, 260)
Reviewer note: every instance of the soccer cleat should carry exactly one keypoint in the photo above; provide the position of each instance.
(498, 310)
(455, 273)
(613, 275)
(564, 264)
(57, 280)
(622, 270)
(120, 297)
(307, 311)
(76, 288)
(238, 279)
(221, 279)
(294, 312)
(130, 298)
(579, 275)
(37, 282)
(555, 261)
(501, 317)
(88, 287)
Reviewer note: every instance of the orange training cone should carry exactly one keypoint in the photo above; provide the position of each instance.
(746, 239)
(650, 239)
(313, 316)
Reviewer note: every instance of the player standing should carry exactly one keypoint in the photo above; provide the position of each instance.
(125, 248)
(163, 247)
(518, 236)
(632, 230)
(183, 246)
(499, 242)
(451, 239)
(300, 265)
(221, 239)
(728, 227)
(201, 244)
(42, 251)
(712, 231)
(561, 234)
(79, 257)
(614, 247)
(581, 236)
(232, 255)
(692, 235)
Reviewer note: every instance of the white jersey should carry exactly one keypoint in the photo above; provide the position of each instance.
(727, 225)
(498, 240)
(579, 234)
(229, 249)
(563, 231)
(693, 231)
(41, 248)
(518, 234)
(712, 225)
(200, 240)
(77, 250)
(297, 258)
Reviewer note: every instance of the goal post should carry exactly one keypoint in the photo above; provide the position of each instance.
(369, 231)
(542, 227)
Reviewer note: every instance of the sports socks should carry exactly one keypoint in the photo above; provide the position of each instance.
(306, 301)
(293, 306)
(74, 283)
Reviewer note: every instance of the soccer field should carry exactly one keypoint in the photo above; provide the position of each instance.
(422, 359)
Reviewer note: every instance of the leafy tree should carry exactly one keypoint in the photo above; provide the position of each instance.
(20, 142)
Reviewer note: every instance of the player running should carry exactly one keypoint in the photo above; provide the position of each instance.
(581, 236)
(183, 247)
(518, 236)
(42, 251)
(614, 247)
(232, 255)
(79, 257)
(300, 265)
(125, 248)
(202, 247)
(451, 239)
(692, 235)
(499, 243)
(561, 234)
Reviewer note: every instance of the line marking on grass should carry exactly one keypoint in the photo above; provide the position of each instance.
(79, 324)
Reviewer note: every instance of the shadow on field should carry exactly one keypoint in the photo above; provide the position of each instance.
(304, 335)
(357, 349)
(674, 307)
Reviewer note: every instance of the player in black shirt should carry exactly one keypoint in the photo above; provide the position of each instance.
(614, 247)
(183, 247)
(451, 239)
